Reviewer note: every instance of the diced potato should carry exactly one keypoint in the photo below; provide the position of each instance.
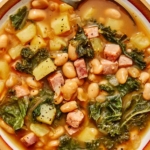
(43, 29)
(39, 129)
(47, 114)
(97, 44)
(140, 41)
(37, 42)
(4, 70)
(26, 34)
(43, 69)
(89, 14)
(14, 52)
(61, 24)
(57, 43)
(2, 85)
(54, 45)
(88, 134)
(114, 24)
(65, 7)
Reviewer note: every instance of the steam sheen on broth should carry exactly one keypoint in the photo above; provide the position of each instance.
(74, 79)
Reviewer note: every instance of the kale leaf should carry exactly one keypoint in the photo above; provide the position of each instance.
(130, 86)
(13, 112)
(107, 113)
(30, 59)
(73, 3)
(67, 143)
(108, 88)
(18, 20)
(82, 44)
(135, 111)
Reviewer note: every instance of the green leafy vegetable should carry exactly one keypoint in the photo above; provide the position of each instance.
(73, 3)
(13, 112)
(130, 86)
(108, 88)
(67, 143)
(138, 107)
(82, 44)
(30, 59)
(18, 20)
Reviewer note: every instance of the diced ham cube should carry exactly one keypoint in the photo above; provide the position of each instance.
(71, 130)
(91, 32)
(81, 68)
(112, 52)
(109, 67)
(125, 61)
(75, 118)
(29, 139)
(21, 90)
(56, 80)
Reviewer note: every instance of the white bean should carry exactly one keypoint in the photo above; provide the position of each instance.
(12, 80)
(37, 14)
(122, 75)
(34, 92)
(133, 72)
(146, 91)
(93, 90)
(61, 59)
(94, 78)
(113, 13)
(82, 95)
(40, 4)
(77, 80)
(3, 41)
(7, 58)
(57, 132)
(96, 67)
(72, 53)
(53, 143)
(69, 89)
(54, 6)
(69, 106)
(32, 83)
(69, 70)
(144, 76)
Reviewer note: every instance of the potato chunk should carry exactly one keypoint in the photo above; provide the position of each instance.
(4, 70)
(61, 24)
(26, 34)
(140, 41)
(47, 114)
(44, 68)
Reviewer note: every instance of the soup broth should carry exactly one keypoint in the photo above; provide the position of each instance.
(74, 78)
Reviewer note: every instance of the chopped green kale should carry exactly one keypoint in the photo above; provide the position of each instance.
(30, 59)
(13, 111)
(108, 88)
(130, 86)
(82, 44)
(18, 20)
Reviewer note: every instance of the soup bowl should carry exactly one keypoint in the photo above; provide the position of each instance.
(136, 15)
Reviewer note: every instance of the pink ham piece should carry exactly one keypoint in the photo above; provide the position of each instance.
(74, 118)
(29, 139)
(112, 52)
(125, 61)
(21, 90)
(56, 80)
(71, 130)
(109, 67)
(91, 32)
(81, 68)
